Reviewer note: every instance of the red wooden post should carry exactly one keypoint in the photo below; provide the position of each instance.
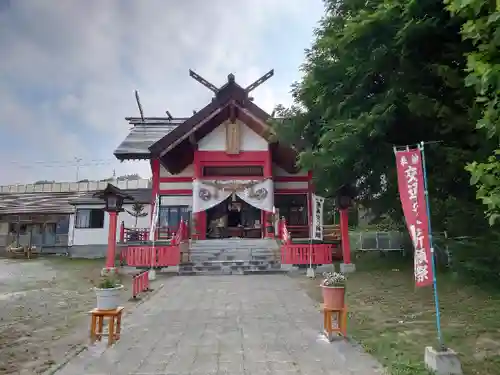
(344, 235)
(122, 232)
(110, 257)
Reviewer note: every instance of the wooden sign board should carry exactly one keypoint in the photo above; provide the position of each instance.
(233, 138)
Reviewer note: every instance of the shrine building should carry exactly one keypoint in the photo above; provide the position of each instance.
(222, 170)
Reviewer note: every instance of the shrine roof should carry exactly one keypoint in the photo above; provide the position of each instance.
(38, 203)
(58, 202)
(174, 141)
(143, 135)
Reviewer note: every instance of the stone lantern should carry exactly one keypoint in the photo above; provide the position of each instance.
(113, 199)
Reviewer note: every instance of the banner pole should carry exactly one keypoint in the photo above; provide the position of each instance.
(310, 272)
(433, 262)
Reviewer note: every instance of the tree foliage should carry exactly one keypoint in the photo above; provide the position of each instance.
(137, 212)
(381, 74)
(482, 28)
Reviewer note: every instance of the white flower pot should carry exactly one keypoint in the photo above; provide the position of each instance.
(108, 299)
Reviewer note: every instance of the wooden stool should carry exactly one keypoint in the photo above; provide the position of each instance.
(97, 323)
(341, 318)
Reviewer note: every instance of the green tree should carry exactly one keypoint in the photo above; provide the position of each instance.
(137, 212)
(381, 74)
(482, 27)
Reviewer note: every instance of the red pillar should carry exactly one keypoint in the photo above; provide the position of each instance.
(200, 217)
(110, 257)
(268, 173)
(344, 235)
(155, 182)
(310, 189)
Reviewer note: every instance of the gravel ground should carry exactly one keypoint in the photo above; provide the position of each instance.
(43, 306)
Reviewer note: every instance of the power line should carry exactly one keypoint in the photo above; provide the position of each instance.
(64, 162)
(27, 166)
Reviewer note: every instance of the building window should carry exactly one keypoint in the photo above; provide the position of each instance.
(293, 207)
(89, 218)
(170, 216)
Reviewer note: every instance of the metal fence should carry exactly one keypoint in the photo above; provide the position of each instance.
(54, 244)
(400, 241)
(378, 241)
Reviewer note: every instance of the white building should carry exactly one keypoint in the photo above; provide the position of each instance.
(89, 224)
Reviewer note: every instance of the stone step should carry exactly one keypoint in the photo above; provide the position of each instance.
(236, 267)
(218, 273)
(230, 257)
(228, 271)
(234, 244)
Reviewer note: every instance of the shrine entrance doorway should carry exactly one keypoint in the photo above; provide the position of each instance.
(234, 218)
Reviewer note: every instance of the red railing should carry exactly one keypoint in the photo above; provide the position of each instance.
(299, 253)
(142, 234)
(140, 283)
(149, 256)
(158, 255)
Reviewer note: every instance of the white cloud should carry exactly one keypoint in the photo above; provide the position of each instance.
(69, 68)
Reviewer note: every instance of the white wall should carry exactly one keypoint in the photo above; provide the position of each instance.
(291, 185)
(216, 140)
(99, 236)
(176, 200)
(176, 185)
(187, 172)
(277, 171)
(58, 187)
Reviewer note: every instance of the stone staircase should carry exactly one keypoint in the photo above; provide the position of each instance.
(232, 256)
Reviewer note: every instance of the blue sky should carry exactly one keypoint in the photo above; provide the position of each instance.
(68, 70)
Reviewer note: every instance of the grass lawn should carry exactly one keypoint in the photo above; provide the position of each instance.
(394, 321)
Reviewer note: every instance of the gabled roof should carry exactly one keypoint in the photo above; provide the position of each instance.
(230, 101)
(174, 142)
(143, 135)
(38, 203)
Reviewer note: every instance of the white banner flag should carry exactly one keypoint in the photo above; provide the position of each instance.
(317, 217)
(154, 218)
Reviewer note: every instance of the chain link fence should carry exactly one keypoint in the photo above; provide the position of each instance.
(388, 241)
(378, 241)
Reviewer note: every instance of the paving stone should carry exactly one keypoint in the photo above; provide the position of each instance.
(248, 325)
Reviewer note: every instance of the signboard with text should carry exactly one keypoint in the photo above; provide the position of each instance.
(412, 195)
(317, 217)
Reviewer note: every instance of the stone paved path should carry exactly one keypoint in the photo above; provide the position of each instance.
(253, 325)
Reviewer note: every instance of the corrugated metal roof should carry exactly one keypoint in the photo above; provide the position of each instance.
(27, 203)
(139, 195)
(144, 134)
(57, 203)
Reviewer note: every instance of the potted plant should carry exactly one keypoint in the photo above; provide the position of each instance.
(333, 288)
(108, 292)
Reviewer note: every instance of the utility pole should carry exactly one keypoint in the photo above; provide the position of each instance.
(77, 160)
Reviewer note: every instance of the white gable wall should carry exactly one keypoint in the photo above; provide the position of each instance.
(187, 172)
(216, 140)
(277, 171)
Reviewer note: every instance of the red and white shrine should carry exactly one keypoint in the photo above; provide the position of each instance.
(222, 171)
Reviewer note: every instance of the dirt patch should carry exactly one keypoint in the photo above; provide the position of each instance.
(43, 310)
(394, 321)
